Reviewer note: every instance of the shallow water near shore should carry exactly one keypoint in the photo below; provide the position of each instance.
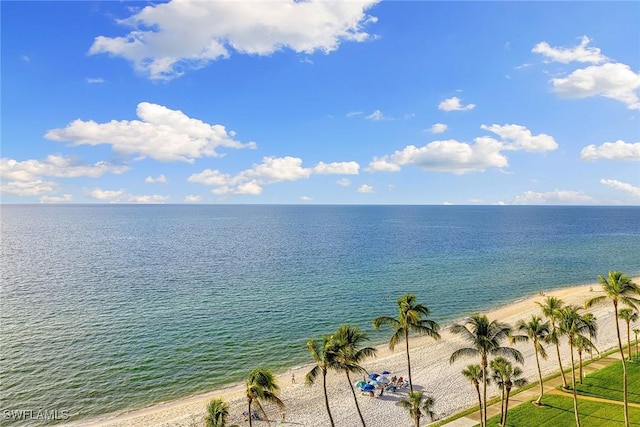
(111, 307)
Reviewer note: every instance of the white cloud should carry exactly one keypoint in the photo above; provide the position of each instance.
(168, 38)
(453, 104)
(615, 81)
(438, 128)
(271, 170)
(622, 186)
(354, 113)
(344, 182)
(55, 166)
(65, 198)
(97, 80)
(192, 198)
(375, 116)
(580, 53)
(445, 156)
(365, 189)
(161, 134)
(25, 58)
(306, 199)
(28, 188)
(121, 196)
(159, 179)
(556, 197)
(520, 138)
(618, 150)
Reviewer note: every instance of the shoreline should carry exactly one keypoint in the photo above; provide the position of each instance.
(430, 368)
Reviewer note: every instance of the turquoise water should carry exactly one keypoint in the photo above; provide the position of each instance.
(112, 307)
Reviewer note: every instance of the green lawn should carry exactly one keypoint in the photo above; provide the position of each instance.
(607, 382)
(558, 411)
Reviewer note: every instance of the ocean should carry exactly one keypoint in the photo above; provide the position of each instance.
(109, 307)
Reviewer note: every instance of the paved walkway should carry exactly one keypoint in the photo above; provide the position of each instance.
(528, 395)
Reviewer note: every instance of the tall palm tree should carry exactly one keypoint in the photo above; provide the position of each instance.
(619, 288)
(592, 321)
(473, 373)
(418, 405)
(637, 331)
(262, 386)
(217, 413)
(485, 338)
(322, 353)
(573, 326)
(349, 354)
(550, 309)
(411, 318)
(628, 315)
(536, 331)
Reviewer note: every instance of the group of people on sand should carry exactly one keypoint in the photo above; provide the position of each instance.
(392, 386)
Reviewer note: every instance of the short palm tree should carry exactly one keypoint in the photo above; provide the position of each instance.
(418, 405)
(619, 288)
(592, 321)
(581, 344)
(262, 387)
(349, 354)
(536, 331)
(637, 331)
(485, 338)
(574, 327)
(411, 318)
(498, 366)
(550, 309)
(217, 413)
(512, 378)
(322, 353)
(473, 373)
(628, 315)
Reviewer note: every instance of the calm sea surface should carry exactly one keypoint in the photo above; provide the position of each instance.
(111, 307)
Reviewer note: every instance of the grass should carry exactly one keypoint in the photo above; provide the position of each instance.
(558, 411)
(607, 382)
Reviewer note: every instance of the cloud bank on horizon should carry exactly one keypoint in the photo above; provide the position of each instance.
(330, 102)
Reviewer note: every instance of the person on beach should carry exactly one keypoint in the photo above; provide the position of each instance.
(293, 378)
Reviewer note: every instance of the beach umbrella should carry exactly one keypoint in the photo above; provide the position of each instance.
(383, 380)
(360, 383)
(367, 387)
(385, 373)
(373, 383)
(373, 376)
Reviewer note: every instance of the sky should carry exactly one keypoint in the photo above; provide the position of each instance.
(321, 102)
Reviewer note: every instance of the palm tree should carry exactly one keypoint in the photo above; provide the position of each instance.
(473, 373)
(349, 353)
(628, 315)
(591, 319)
(511, 376)
(418, 405)
(550, 309)
(262, 386)
(537, 331)
(485, 338)
(619, 288)
(322, 353)
(411, 317)
(582, 344)
(637, 331)
(217, 413)
(573, 326)
(497, 366)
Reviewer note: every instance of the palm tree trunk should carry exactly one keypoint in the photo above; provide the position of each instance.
(326, 396)
(506, 407)
(624, 367)
(575, 394)
(479, 400)
(250, 417)
(539, 401)
(501, 405)
(406, 340)
(355, 399)
(564, 380)
(417, 419)
(629, 338)
(580, 361)
(483, 415)
(637, 345)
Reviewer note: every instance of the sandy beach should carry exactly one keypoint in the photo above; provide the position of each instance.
(430, 369)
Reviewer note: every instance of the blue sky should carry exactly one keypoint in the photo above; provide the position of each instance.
(358, 102)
